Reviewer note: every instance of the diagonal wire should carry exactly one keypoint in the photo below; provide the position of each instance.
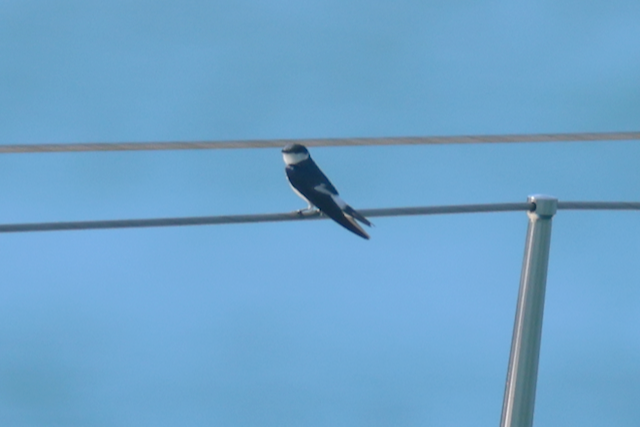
(329, 142)
(293, 216)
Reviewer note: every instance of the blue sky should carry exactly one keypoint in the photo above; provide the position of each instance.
(303, 323)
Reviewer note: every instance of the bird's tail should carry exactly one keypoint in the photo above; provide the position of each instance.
(357, 215)
(345, 217)
(350, 224)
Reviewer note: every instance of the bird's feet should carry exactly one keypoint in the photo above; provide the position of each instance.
(307, 211)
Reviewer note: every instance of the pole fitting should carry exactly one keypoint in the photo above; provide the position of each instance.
(544, 206)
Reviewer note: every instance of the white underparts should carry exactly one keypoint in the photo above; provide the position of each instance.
(294, 158)
(301, 196)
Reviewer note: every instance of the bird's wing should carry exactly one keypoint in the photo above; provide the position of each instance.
(306, 178)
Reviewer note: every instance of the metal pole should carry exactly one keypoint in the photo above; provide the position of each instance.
(522, 375)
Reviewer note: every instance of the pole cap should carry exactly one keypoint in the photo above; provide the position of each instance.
(545, 206)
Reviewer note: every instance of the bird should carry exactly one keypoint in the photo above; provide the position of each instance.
(308, 182)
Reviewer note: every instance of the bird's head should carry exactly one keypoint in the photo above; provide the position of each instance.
(294, 154)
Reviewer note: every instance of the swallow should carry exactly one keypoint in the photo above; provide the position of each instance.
(308, 182)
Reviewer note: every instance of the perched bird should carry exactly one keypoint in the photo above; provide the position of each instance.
(308, 182)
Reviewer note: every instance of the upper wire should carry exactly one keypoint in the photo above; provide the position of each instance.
(327, 142)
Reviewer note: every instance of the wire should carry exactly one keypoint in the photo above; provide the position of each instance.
(619, 206)
(330, 142)
(294, 216)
